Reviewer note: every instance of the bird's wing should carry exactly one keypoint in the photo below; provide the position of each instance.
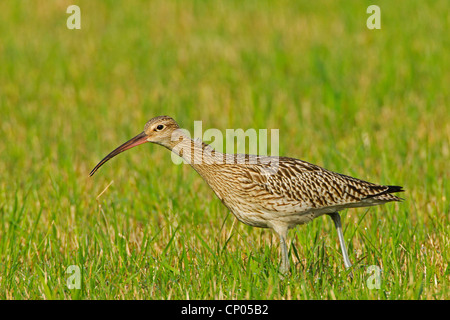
(309, 185)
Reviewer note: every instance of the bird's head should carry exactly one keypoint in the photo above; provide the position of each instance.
(158, 130)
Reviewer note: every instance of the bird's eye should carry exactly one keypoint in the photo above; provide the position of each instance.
(160, 127)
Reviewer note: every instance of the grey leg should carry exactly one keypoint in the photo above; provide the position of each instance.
(282, 233)
(284, 268)
(337, 223)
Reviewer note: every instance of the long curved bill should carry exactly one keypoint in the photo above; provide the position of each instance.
(139, 139)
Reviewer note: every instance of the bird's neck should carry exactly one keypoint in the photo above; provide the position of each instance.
(194, 151)
(203, 158)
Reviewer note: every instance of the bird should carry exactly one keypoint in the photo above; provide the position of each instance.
(273, 192)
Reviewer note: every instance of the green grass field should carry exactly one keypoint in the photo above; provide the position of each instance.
(369, 103)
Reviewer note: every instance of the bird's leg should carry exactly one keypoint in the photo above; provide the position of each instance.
(284, 268)
(337, 223)
(282, 233)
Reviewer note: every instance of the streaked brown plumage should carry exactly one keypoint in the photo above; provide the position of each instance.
(267, 192)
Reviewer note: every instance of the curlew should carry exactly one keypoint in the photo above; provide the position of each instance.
(266, 191)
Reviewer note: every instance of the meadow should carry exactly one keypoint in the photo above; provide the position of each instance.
(373, 104)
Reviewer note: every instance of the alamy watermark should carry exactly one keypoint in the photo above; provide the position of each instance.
(226, 149)
(374, 279)
(74, 20)
(374, 20)
(74, 280)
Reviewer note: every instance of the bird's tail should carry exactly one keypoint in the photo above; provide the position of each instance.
(386, 195)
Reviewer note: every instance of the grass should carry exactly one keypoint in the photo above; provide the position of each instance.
(368, 103)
